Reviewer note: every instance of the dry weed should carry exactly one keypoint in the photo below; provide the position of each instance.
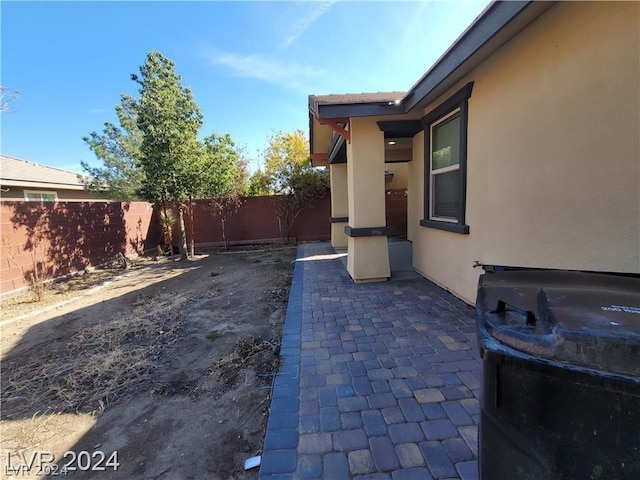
(249, 353)
(100, 365)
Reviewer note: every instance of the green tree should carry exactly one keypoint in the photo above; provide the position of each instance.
(295, 184)
(224, 179)
(259, 184)
(119, 149)
(170, 154)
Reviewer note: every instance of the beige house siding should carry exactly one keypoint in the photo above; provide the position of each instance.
(553, 152)
(16, 194)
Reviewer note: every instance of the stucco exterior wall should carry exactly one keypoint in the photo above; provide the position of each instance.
(553, 152)
(400, 176)
(368, 257)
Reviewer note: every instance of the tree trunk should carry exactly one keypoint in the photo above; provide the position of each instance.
(224, 231)
(168, 235)
(183, 233)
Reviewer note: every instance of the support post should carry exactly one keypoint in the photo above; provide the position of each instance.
(368, 253)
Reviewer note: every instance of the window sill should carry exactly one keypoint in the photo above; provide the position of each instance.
(449, 227)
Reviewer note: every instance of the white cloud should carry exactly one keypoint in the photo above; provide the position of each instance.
(268, 68)
(308, 14)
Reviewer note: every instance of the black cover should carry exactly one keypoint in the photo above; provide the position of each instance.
(561, 384)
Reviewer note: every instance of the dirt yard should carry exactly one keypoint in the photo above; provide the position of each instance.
(168, 364)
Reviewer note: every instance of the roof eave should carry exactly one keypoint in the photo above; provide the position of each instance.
(347, 110)
(498, 24)
(35, 184)
(494, 27)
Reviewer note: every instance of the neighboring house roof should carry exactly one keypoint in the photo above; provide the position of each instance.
(22, 173)
(498, 24)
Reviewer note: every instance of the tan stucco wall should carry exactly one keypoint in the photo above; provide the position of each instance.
(400, 175)
(368, 257)
(365, 174)
(339, 203)
(415, 191)
(553, 152)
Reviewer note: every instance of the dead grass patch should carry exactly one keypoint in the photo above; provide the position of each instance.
(98, 366)
(249, 354)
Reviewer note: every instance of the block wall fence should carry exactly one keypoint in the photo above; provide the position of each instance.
(80, 235)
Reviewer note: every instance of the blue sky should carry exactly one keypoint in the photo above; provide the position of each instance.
(250, 65)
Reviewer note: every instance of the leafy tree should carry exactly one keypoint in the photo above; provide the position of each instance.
(119, 149)
(170, 154)
(224, 179)
(294, 182)
(259, 184)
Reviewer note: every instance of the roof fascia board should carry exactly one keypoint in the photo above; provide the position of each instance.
(347, 110)
(399, 128)
(34, 184)
(457, 59)
(498, 24)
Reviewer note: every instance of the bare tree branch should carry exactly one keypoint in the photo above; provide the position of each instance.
(6, 97)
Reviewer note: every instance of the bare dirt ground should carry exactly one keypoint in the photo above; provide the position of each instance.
(168, 363)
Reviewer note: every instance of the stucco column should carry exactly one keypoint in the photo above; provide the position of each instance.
(368, 254)
(339, 204)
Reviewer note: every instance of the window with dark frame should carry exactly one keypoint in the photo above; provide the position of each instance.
(445, 164)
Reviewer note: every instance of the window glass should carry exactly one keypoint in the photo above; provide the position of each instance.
(445, 163)
(34, 196)
(445, 142)
(446, 194)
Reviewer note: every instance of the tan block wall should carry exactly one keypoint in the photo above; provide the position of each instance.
(553, 152)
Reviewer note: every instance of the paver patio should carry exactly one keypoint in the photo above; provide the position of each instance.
(380, 381)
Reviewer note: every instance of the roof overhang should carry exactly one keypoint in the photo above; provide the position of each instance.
(499, 23)
(5, 182)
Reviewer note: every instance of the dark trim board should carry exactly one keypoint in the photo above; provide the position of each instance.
(449, 227)
(338, 219)
(453, 102)
(358, 110)
(399, 161)
(400, 128)
(338, 152)
(457, 100)
(367, 231)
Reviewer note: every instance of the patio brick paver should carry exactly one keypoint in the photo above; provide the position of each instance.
(379, 380)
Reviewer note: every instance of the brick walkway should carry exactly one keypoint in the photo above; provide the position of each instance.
(380, 381)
